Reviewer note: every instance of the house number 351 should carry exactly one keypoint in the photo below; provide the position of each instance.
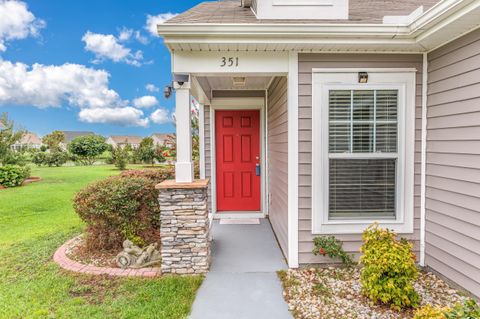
(229, 62)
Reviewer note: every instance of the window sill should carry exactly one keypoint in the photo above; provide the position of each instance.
(358, 226)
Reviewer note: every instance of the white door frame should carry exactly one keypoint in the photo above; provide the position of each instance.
(236, 103)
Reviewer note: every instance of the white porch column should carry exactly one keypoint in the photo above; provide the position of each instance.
(184, 166)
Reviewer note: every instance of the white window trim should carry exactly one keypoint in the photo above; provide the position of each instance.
(327, 79)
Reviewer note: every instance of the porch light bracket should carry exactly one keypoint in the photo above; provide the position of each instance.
(181, 79)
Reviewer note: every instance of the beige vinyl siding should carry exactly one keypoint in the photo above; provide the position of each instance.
(208, 149)
(453, 162)
(307, 62)
(278, 160)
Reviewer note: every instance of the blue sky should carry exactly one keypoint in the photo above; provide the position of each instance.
(72, 41)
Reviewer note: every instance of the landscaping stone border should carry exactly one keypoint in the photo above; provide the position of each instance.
(61, 258)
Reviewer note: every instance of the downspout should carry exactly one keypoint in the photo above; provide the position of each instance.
(423, 187)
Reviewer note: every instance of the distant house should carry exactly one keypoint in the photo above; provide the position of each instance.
(71, 135)
(28, 140)
(124, 140)
(159, 139)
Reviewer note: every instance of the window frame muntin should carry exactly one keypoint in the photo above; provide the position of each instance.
(324, 80)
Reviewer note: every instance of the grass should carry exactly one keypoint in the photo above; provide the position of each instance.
(34, 221)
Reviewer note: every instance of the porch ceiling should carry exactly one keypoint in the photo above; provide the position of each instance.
(227, 82)
(209, 84)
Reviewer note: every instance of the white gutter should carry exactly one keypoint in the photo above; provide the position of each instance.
(423, 169)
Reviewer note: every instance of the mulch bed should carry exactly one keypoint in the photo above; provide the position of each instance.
(70, 256)
(29, 180)
(32, 179)
(336, 293)
(77, 251)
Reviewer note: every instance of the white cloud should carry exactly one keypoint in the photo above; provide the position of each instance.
(152, 88)
(16, 22)
(126, 34)
(123, 116)
(51, 86)
(107, 46)
(152, 21)
(160, 116)
(145, 101)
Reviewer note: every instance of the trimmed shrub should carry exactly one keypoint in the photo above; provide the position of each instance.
(388, 269)
(429, 312)
(119, 208)
(12, 176)
(156, 175)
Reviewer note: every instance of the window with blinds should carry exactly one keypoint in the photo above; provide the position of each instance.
(363, 143)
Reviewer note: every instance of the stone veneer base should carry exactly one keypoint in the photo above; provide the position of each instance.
(61, 258)
(184, 227)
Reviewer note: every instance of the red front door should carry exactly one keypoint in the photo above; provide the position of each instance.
(238, 154)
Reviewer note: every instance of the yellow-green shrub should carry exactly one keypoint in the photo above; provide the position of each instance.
(429, 312)
(388, 269)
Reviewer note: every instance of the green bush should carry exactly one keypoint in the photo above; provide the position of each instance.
(468, 310)
(119, 208)
(39, 158)
(156, 175)
(120, 157)
(54, 158)
(429, 312)
(388, 269)
(12, 176)
(87, 148)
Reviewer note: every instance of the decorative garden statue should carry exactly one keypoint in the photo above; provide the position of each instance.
(135, 257)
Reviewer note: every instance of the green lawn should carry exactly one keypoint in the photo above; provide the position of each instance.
(38, 218)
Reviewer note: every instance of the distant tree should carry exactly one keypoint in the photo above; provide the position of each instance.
(88, 148)
(53, 140)
(8, 137)
(146, 151)
(120, 157)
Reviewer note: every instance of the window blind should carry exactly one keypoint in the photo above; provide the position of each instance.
(362, 122)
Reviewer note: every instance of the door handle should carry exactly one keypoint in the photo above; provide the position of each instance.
(257, 169)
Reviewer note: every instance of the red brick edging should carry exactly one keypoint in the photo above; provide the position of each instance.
(63, 261)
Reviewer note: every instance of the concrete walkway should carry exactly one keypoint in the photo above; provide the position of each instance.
(242, 282)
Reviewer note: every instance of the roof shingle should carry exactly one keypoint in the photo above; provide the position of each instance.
(361, 11)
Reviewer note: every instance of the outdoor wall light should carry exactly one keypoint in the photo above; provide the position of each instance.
(362, 77)
(167, 91)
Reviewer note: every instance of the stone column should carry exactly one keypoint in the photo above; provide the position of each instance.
(184, 227)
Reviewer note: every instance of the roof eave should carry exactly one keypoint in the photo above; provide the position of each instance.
(423, 34)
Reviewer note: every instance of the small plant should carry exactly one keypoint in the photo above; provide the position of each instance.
(429, 312)
(12, 176)
(120, 157)
(388, 269)
(468, 310)
(333, 248)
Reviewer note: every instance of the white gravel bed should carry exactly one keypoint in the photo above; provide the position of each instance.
(336, 293)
